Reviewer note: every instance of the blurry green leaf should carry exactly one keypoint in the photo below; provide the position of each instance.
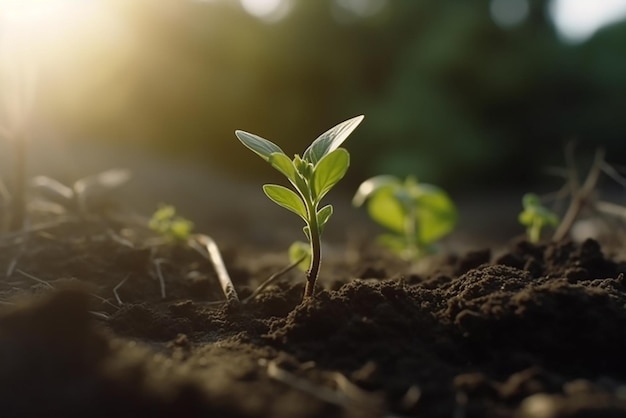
(384, 208)
(372, 185)
(300, 251)
(181, 228)
(435, 215)
(330, 140)
(330, 169)
(286, 198)
(165, 222)
(258, 145)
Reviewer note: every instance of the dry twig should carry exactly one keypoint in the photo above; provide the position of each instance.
(206, 246)
(580, 194)
(159, 273)
(272, 279)
(116, 288)
(348, 396)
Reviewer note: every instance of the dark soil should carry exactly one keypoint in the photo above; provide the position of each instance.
(538, 331)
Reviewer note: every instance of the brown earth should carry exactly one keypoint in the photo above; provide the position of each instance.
(88, 330)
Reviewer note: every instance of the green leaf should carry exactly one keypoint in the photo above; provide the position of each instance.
(286, 198)
(530, 200)
(283, 164)
(181, 228)
(384, 208)
(372, 185)
(329, 171)
(330, 140)
(323, 215)
(300, 251)
(436, 214)
(526, 218)
(260, 146)
(307, 232)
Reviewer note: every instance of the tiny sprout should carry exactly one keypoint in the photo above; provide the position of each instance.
(312, 175)
(535, 216)
(166, 223)
(417, 214)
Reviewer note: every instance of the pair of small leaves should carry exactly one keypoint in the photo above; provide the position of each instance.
(322, 146)
(535, 216)
(165, 222)
(323, 176)
(534, 212)
(289, 200)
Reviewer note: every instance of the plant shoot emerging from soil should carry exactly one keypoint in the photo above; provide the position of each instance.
(166, 223)
(312, 176)
(535, 216)
(417, 214)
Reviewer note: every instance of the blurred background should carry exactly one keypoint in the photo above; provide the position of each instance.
(477, 97)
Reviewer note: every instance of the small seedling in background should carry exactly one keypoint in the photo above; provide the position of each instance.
(535, 216)
(300, 255)
(417, 214)
(321, 166)
(166, 223)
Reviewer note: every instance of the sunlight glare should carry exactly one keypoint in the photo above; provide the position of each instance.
(268, 10)
(578, 20)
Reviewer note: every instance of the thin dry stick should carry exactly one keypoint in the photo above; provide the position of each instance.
(157, 266)
(272, 279)
(30, 276)
(580, 196)
(116, 288)
(207, 247)
(610, 171)
(100, 315)
(303, 385)
(612, 209)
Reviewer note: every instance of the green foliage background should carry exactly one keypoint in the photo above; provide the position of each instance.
(448, 95)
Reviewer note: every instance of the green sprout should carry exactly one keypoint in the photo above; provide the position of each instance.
(166, 223)
(312, 176)
(417, 214)
(535, 216)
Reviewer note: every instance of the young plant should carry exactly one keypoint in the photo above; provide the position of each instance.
(312, 176)
(166, 223)
(535, 216)
(417, 214)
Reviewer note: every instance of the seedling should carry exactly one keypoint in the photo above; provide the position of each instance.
(169, 225)
(312, 176)
(535, 216)
(417, 214)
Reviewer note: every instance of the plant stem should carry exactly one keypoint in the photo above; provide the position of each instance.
(316, 253)
(534, 232)
(410, 230)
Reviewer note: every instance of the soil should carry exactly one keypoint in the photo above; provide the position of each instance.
(95, 323)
